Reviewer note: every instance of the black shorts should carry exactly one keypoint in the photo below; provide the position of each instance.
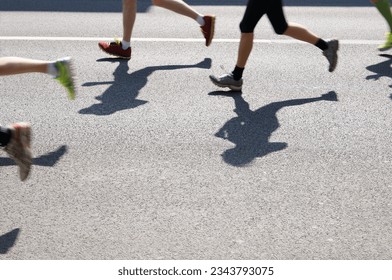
(257, 8)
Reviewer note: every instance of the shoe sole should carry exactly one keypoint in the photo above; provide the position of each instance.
(26, 135)
(113, 55)
(384, 49)
(235, 88)
(212, 31)
(25, 139)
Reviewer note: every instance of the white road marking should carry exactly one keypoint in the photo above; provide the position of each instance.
(188, 40)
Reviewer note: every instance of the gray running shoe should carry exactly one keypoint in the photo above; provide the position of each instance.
(332, 54)
(227, 81)
(19, 148)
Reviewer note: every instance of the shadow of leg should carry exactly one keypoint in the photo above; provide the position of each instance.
(49, 159)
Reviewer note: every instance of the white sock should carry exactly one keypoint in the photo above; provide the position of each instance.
(200, 20)
(52, 70)
(125, 45)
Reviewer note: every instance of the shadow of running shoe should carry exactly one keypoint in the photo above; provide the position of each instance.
(7, 241)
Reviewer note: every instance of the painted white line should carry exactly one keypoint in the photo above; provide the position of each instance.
(187, 40)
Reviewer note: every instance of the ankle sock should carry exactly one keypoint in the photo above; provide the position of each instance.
(52, 70)
(200, 20)
(237, 73)
(321, 44)
(125, 45)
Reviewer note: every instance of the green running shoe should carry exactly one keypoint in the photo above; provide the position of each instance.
(65, 75)
(388, 43)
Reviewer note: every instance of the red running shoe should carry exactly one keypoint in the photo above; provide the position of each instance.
(208, 28)
(115, 49)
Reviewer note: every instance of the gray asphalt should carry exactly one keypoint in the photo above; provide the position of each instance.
(152, 161)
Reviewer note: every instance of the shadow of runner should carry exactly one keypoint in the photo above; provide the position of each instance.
(382, 69)
(250, 130)
(7, 240)
(123, 92)
(49, 159)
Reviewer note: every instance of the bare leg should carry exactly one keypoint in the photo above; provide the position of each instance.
(177, 6)
(245, 48)
(129, 16)
(18, 65)
(299, 32)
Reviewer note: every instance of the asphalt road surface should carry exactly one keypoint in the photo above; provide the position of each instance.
(152, 161)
